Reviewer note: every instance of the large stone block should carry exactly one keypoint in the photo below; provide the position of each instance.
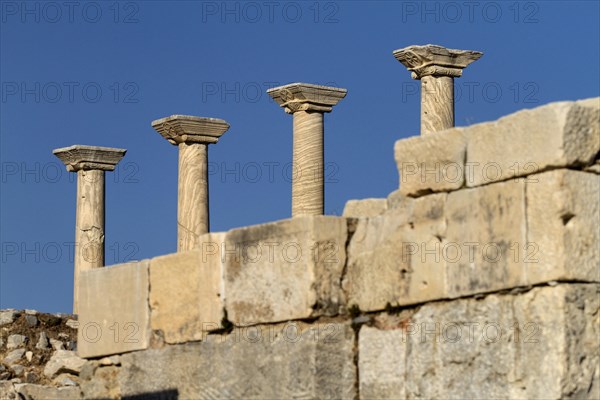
(431, 163)
(364, 208)
(541, 344)
(285, 361)
(186, 291)
(386, 263)
(559, 134)
(563, 219)
(485, 245)
(284, 270)
(114, 316)
(381, 364)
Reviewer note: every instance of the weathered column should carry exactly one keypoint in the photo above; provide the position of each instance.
(89, 162)
(307, 103)
(436, 67)
(192, 135)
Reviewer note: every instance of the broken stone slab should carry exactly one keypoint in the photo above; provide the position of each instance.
(43, 342)
(488, 348)
(431, 163)
(114, 315)
(8, 316)
(31, 320)
(112, 360)
(17, 369)
(285, 270)
(57, 344)
(15, 341)
(186, 296)
(290, 360)
(556, 135)
(71, 323)
(563, 216)
(64, 379)
(29, 355)
(484, 248)
(31, 377)
(13, 356)
(39, 392)
(386, 263)
(7, 390)
(364, 208)
(63, 361)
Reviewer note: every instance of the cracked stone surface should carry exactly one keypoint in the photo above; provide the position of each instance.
(488, 348)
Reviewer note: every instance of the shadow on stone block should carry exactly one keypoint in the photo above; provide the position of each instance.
(169, 394)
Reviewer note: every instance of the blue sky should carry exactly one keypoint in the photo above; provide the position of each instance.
(99, 72)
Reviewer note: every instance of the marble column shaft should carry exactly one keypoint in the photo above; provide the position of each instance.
(90, 164)
(308, 191)
(192, 194)
(437, 103)
(192, 135)
(307, 103)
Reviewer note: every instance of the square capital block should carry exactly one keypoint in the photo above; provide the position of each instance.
(435, 60)
(80, 157)
(307, 97)
(190, 129)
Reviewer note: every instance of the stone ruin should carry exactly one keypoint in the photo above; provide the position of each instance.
(477, 278)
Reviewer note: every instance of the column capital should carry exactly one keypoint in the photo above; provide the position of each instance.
(81, 157)
(189, 129)
(435, 60)
(307, 97)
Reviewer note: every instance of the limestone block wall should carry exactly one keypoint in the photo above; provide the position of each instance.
(478, 278)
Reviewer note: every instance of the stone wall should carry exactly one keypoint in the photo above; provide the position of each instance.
(478, 278)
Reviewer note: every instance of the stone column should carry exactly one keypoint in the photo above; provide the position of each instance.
(192, 135)
(436, 67)
(307, 103)
(89, 162)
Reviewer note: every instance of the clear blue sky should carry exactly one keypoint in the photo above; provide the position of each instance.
(98, 73)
